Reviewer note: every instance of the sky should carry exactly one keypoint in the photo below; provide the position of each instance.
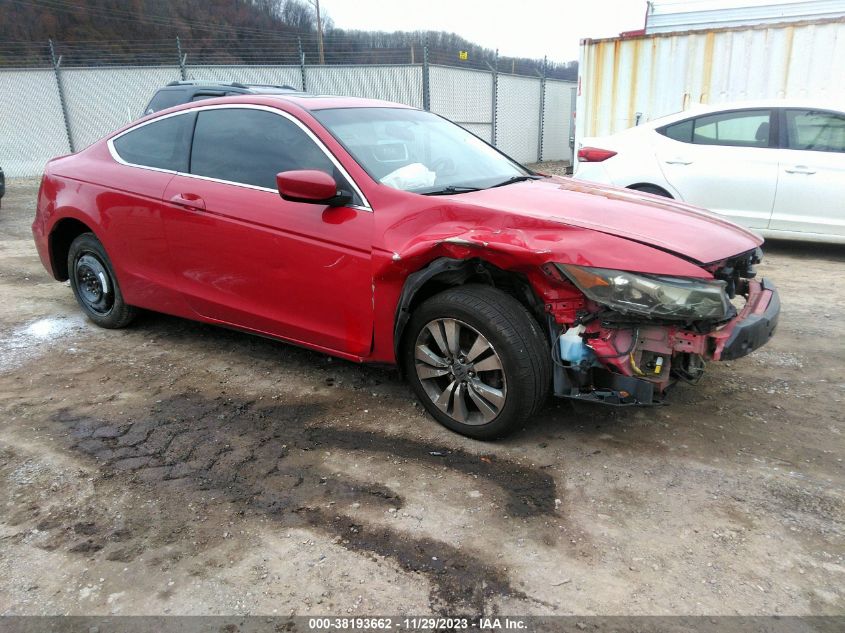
(525, 28)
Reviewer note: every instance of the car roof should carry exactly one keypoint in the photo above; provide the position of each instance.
(282, 100)
(712, 108)
(308, 101)
(303, 100)
(198, 84)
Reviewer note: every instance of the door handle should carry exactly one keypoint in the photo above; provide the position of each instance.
(678, 161)
(800, 169)
(189, 201)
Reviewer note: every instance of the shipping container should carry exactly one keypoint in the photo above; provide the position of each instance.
(627, 80)
(665, 16)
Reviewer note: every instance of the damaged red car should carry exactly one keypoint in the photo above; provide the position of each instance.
(380, 233)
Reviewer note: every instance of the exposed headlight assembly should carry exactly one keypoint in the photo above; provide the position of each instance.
(676, 298)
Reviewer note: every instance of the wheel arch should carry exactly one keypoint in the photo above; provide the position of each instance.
(645, 186)
(448, 272)
(61, 237)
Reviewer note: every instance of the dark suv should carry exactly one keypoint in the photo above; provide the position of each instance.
(179, 92)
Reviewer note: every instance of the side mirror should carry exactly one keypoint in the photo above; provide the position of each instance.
(311, 186)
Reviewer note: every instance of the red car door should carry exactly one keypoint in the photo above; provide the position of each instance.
(245, 257)
(145, 159)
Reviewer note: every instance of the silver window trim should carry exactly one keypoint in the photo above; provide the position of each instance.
(239, 106)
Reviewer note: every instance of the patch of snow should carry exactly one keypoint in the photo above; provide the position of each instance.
(35, 338)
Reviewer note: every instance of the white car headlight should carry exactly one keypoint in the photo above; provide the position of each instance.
(675, 298)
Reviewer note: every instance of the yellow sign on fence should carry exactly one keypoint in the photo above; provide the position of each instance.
(463, 55)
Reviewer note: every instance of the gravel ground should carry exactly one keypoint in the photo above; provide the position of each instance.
(552, 167)
(178, 468)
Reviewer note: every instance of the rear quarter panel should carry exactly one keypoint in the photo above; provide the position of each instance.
(122, 207)
(635, 163)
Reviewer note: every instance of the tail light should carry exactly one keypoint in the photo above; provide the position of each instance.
(594, 154)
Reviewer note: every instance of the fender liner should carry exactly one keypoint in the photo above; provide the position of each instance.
(417, 280)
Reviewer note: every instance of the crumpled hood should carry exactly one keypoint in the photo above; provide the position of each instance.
(682, 229)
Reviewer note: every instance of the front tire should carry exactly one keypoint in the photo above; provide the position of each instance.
(94, 284)
(477, 360)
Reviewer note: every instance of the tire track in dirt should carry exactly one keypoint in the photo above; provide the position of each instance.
(269, 459)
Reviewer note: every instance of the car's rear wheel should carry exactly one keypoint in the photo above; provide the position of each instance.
(477, 360)
(95, 285)
(652, 189)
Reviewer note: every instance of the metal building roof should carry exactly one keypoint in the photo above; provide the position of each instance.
(665, 16)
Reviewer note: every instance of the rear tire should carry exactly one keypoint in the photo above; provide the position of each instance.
(94, 284)
(477, 360)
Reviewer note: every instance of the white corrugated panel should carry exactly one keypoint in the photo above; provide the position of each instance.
(100, 100)
(401, 84)
(557, 119)
(687, 15)
(463, 96)
(660, 74)
(32, 121)
(518, 117)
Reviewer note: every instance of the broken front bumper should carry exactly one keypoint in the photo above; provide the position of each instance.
(753, 326)
(638, 372)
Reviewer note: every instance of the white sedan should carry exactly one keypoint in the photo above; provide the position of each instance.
(775, 166)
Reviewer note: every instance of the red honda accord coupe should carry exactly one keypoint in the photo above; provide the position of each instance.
(380, 233)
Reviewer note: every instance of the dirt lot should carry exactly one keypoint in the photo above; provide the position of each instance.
(178, 468)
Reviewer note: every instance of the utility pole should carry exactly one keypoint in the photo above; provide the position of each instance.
(316, 5)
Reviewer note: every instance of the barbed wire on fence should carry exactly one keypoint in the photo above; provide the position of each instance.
(70, 94)
(262, 50)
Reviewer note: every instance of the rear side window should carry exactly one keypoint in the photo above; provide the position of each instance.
(746, 128)
(816, 131)
(680, 131)
(166, 99)
(163, 144)
(251, 146)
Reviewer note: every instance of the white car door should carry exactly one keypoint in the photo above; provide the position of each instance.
(725, 162)
(811, 185)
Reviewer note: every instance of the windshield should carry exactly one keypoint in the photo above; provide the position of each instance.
(418, 151)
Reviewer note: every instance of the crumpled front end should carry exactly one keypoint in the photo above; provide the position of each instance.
(624, 339)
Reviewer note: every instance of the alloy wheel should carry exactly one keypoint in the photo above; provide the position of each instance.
(460, 371)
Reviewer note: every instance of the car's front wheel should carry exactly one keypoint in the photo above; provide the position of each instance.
(95, 285)
(477, 360)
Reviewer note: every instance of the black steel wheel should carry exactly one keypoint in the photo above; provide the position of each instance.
(93, 281)
(95, 285)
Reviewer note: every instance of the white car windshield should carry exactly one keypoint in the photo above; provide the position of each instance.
(418, 151)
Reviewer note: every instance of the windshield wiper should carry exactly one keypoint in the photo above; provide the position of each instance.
(514, 179)
(450, 190)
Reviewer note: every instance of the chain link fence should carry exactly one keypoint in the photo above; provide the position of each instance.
(105, 99)
(51, 111)
(465, 97)
(518, 117)
(32, 125)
